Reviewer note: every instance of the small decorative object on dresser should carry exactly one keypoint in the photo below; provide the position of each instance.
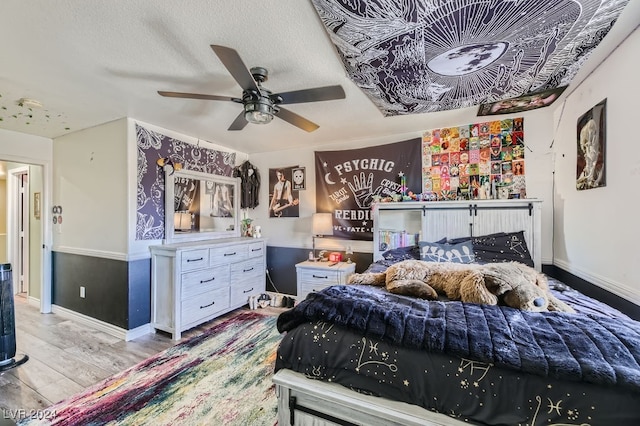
(315, 276)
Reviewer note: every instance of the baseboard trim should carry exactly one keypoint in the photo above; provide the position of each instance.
(110, 329)
(602, 282)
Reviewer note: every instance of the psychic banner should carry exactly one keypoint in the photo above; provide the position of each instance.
(348, 181)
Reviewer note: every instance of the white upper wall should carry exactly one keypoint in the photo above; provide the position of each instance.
(23, 148)
(90, 184)
(596, 231)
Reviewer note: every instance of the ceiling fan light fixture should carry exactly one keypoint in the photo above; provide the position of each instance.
(258, 112)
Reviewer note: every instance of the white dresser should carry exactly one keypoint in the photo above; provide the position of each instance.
(194, 282)
(315, 276)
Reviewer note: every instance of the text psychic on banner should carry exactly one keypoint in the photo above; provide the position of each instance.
(348, 180)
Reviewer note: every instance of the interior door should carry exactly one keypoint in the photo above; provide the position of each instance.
(18, 227)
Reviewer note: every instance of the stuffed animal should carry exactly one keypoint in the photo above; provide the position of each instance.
(513, 284)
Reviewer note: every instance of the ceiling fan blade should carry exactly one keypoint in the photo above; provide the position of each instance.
(239, 123)
(296, 120)
(236, 67)
(326, 93)
(197, 96)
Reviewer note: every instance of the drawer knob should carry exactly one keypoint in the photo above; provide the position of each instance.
(258, 249)
(230, 254)
(247, 270)
(319, 276)
(248, 291)
(210, 304)
(195, 260)
(207, 281)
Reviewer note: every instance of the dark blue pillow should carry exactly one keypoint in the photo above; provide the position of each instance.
(404, 253)
(502, 247)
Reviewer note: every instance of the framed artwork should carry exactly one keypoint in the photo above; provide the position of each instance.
(283, 196)
(591, 135)
(299, 178)
(522, 103)
(37, 206)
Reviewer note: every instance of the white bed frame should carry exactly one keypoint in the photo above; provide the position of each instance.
(308, 402)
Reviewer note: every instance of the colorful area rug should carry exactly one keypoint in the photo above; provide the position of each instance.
(221, 377)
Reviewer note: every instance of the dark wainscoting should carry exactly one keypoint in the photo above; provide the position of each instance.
(281, 263)
(117, 292)
(591, 290)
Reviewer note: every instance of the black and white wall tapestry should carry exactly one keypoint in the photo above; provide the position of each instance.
(284, 199)
(348, 181)
(150, 177)
(418, 56)
(592, 133)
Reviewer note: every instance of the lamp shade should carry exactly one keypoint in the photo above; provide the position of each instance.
(322, 224)
(182, 221)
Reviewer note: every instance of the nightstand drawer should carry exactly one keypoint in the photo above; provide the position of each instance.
(203, 305)
(197, 282)
(319, 277)
(194, 259)
(316, 276)
(312, 288)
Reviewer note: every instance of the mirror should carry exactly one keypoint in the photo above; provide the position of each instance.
(200, 206)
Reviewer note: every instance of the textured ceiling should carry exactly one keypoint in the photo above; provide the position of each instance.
(93, 61)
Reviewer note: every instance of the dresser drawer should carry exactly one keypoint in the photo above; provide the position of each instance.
(256, 249)
(319, 277)
(197, 282)
(251, 268)
(203, 305)
(228, 254)
(240, 292)
(194, 259)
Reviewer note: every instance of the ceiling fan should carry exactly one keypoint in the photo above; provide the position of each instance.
(259, 104)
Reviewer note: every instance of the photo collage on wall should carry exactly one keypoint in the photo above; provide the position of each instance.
(475, 161)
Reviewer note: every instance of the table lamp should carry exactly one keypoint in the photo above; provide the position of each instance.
(322, 224)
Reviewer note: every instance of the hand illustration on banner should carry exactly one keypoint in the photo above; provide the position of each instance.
(363, 191)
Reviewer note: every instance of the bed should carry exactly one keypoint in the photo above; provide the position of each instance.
(360, 355)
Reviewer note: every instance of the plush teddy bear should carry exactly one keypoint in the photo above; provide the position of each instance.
(513, 284)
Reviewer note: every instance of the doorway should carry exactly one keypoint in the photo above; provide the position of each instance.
(18, 228)
(24, 233)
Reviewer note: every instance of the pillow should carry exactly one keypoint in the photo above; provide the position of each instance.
(502, 247)
(404, 253)
(455, 253)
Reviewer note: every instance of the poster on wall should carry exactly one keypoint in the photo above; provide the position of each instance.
(474, 161)
(527, 102)
(283, 198)
(592, 133)
(348, 181)
(299, 178)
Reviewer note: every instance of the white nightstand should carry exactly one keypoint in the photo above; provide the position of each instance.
(315, 276)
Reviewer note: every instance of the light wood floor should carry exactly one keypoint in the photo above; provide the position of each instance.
(66, 357)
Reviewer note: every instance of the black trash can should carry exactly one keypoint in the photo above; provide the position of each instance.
(7, 316)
